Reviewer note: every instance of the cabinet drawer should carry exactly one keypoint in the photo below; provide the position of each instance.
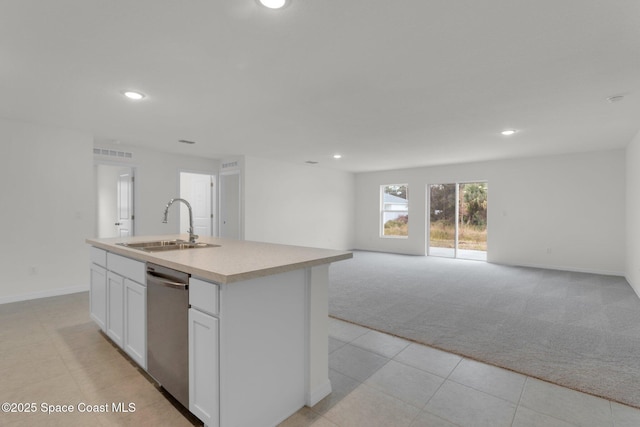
(127, 267)
(203, 295)
(98, 256)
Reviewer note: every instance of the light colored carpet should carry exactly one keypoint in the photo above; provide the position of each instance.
(577, 330)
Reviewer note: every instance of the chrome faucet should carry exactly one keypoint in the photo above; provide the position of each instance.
(192, 237)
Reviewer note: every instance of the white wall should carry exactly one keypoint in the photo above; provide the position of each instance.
(633, 214)
(298, 204)
(46, 182)
(158, 181)
(562, 212)
(48, 210)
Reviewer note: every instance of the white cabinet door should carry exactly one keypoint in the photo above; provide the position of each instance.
(98, 295)
(135, 321)
(204, 388)
(115, 307)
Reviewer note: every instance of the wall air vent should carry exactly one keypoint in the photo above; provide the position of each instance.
(229, 165)
(112, 153)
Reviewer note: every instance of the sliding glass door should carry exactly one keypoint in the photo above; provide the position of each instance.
(442, 218)
(458, 220)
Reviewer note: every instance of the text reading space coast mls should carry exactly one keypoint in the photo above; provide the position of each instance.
(82, 407)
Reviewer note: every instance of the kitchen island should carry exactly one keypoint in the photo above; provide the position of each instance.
(258, 342)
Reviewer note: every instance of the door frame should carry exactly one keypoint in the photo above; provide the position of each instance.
(134, 195)
(220, 204)
(457, 214)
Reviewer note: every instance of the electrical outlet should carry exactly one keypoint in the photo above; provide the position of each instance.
(548, 251)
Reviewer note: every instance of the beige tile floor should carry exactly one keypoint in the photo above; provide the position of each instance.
(51, 353)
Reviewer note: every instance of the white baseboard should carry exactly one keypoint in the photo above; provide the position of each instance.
(562, 268)
(43, 294)
(318, 393)
(635, 288)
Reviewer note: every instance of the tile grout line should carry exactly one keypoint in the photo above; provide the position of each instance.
(445, 379)
(526, 380)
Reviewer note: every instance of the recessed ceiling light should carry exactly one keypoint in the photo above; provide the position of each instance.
(508, 132)
(131, 94)
(273, 4)
(337, 156)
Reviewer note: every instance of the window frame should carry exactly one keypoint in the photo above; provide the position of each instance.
(384, 211)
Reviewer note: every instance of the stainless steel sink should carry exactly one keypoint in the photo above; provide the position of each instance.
(166, 245)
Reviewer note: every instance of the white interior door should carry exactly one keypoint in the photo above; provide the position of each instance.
(230, 206)
(114, 200)
(124, 220)
(198, 190)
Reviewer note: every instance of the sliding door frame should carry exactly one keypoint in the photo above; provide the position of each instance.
(457, 214)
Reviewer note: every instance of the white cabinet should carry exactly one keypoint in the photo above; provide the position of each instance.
(135, 321)
(204, 296)
(245, 339)
(127, 267)
(204, 353)
(98, 295)
(118, 301)
(204, 399)
(115, 307)
(98, 256)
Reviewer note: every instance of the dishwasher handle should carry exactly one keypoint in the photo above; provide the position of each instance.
(162, 281)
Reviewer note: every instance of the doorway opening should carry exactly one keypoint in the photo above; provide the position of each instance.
(230, 206)
(457, 225)
(198, 189)
(114, 201)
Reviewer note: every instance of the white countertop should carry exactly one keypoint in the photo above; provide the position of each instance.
(232, 261)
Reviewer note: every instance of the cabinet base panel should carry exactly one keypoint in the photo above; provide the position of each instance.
(318, 393)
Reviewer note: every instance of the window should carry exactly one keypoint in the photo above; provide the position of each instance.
(395, 210)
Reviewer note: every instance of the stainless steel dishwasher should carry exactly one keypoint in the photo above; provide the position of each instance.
(168, 330)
